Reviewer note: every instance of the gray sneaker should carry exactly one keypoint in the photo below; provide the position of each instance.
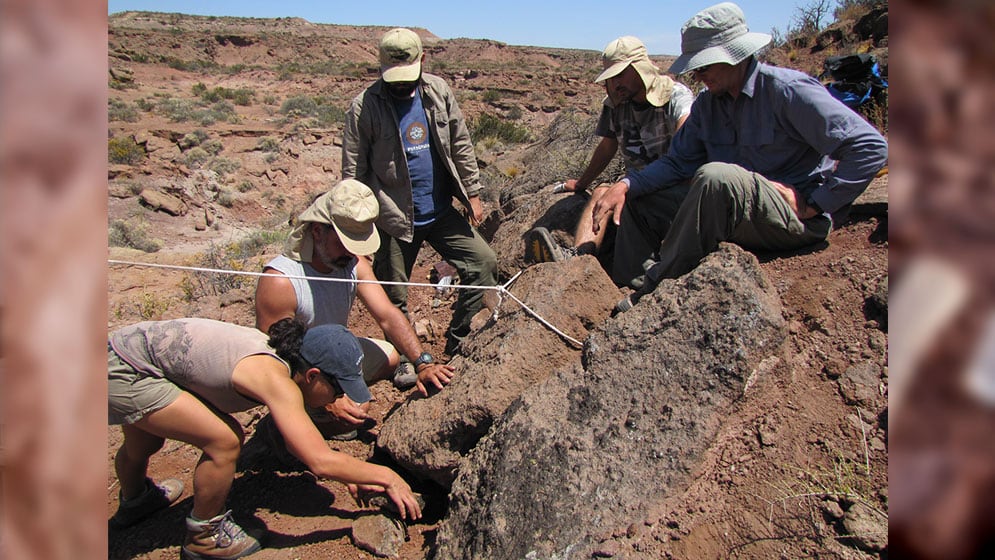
(405, 376)
(156, 497)
(217, 538)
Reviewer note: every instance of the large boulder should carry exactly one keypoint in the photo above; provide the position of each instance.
(596, 446)
(505, 358)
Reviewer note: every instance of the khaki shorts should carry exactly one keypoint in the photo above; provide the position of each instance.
(376, 352)
(131, 395)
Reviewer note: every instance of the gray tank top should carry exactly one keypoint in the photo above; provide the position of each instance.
(319, 302)
(199, 355)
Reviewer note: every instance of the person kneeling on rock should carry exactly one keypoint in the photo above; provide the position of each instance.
(181, 379)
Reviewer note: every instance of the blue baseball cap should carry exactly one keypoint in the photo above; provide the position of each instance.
(336, 352)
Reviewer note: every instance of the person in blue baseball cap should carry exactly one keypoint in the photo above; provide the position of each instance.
(181, 380)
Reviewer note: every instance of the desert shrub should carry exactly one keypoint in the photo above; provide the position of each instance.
(224, 166)
(144, 104)
(319, 108)
(515, 113)
(236, 256)
(199, 89)
(152, 306)
(133, 234)
(299, 106)
(269, 99)
(219, 111)
(225, 198)
(191, 139)
(124, 150)
(240, 96)
(245, 186)
(489, 125)
(490, 96)
(202, 66)
(330, 114)
(268, 144)
(196, 157)
(213, 146)
(182, 110)
(875, 112)
(119, 110)
(176, 110)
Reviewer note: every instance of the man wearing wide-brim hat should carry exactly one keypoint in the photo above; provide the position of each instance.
(774, 160)
(640, 114)
(315, 280)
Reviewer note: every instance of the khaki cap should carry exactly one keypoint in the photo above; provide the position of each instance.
(400, 55)
(629, 50)
(351, 208)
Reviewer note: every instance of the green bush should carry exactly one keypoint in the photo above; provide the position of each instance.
(119, 110)
(195, 157)
(319, 108)
(195, 138)
(224, 166)
(133, 234)
(268, 144)
(490, 96)
(213, 146)
(488, 125)
(225, 198)
(124, 150)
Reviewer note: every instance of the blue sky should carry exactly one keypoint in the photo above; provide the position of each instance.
(576, 24)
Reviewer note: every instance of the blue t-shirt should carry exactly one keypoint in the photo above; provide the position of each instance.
(425, 183)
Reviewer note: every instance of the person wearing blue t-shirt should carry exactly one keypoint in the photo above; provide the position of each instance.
(406, 138)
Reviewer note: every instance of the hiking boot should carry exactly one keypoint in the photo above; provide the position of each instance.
(541, 247)
(405, 376)
(154, 498)
(218, 538)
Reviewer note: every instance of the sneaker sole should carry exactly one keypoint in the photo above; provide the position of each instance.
(540, 246)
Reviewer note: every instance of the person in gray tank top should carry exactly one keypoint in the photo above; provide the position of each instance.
(180, 379)
(333, 237)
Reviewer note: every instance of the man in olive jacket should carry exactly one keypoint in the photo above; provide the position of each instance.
(405, 137)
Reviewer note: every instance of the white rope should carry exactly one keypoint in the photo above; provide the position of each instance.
(502, 290)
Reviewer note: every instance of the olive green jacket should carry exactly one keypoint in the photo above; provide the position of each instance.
(372, 151)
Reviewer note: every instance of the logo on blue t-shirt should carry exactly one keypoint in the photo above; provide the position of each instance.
(417, 136)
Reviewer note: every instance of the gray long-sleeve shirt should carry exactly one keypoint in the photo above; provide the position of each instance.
(785, 126)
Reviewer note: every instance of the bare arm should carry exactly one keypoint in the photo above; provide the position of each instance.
(602, 156)
(275, 300)
(265, 379)
(397, 328)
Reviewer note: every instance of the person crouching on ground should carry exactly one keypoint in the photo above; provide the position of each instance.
(180, 379)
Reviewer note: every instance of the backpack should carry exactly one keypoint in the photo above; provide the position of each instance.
(855, 78)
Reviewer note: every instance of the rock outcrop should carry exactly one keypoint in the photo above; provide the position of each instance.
(597, 445)
(507, 357)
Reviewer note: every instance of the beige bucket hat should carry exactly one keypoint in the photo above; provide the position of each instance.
(717, 34)
(629, 50)
(351, 208)
(400, 55)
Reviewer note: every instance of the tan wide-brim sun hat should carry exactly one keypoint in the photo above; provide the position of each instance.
(351, 208)
(717, 35)
(400, 55)
(629, 50)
